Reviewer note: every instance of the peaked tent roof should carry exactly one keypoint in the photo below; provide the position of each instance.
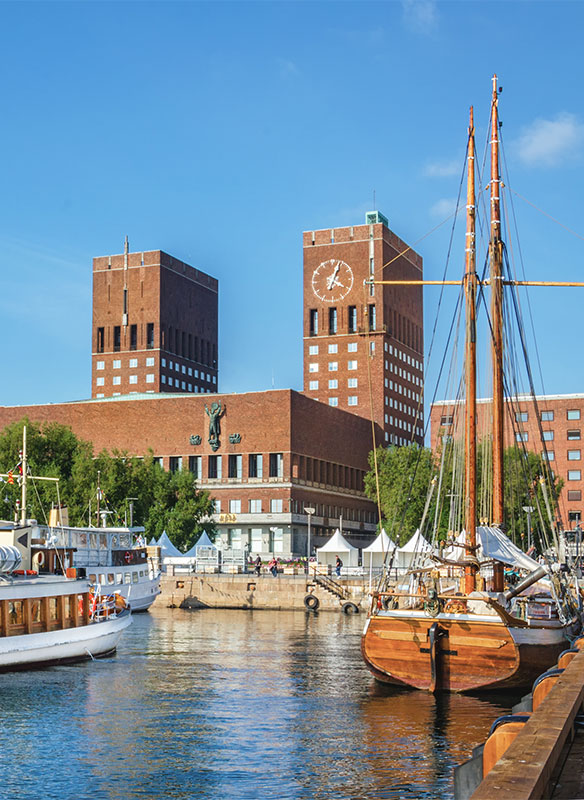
(152, 542)
(202, 541)
(168, 550)
(416, 544)
(336, 542)
(382, 544)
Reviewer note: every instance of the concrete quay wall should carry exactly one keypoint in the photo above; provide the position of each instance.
(248, 591)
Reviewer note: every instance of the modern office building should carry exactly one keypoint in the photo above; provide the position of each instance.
(155, 322)
(363, 345)
(551, 425)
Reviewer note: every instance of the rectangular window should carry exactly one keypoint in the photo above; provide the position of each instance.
(100, 339)
(313, 367)
(255, 465)
(522, 436)
(352, 319)
(117, 364)
(352, 347)
(549, 455)
(276, 505)
(352, 365)
(575, 516)
(234, 466)
(332, 320)
(163, 379)
(573, 413)
(133, 363)
(447, 419)
(372, 317)
(353, 400)
(175, 463)
(313, 386)
(235, 506)
(100, 381)
(333, 366)
(100, 365)
(255, 507)
(547, 416)
(150, 335)
(117, 338)
(573, 435)
(333, 401)
(574, 495)
(574, 475)
(214, 467)
(133, 379)
(116, 380)
(334, 384)
(547, 436)
(150, 377)
(313, 350)
(333, 348)
(352, 383)
(276, 465)
(521, 416)
(574, 455)
(313, 328)
(196, 466)
(133, 337)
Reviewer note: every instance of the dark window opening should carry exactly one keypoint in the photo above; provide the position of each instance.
(117, 338)
(332, 320)
(372, 318)
(352, 319)
(150, 335)
(573, 435)
(313, 322)
(100, 338)
(574, 495)
(133, 337)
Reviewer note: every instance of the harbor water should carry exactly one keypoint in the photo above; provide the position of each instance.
(232, 704)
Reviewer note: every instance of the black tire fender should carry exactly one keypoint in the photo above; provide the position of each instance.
(311, 602)
(350, 608)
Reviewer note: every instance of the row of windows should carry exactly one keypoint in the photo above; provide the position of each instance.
(352, 383)
(333, 366)
(117, 363)
(188, 346)
(395, 351)
(547, 416)
(126, 336)
(352, 400)
(204, 376)
(276, 506)
(404, 407)
(389, 420)
(117, 379)
(573, 455)
(332, 348)
(184, 385)
(400, 389)
(548, 436)
(255, 465)
(402, 373)
(333, 320)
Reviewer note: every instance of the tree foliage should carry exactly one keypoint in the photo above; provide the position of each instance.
(160, 500)
(405, 475)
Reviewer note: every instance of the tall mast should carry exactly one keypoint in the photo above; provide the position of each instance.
(496, 261)
(24, 468)
(470, 290)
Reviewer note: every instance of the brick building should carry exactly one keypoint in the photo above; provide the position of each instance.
(275, 454)
(551, 425)
(155, 322)
(351, 331)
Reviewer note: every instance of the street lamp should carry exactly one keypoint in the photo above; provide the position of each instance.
(529, 510)
(309, 511)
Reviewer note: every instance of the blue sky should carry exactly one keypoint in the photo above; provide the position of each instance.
(220, 131)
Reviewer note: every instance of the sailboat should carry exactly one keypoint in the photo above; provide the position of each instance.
(453, 635)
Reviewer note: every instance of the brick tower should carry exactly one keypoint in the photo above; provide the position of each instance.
(346, 325)
(154, 325)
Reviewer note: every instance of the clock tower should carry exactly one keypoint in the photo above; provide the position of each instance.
(364, 345)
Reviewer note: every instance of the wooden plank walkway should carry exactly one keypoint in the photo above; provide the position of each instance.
(530, 767)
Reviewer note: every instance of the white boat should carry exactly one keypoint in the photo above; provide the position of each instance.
(108, 557)
(51, 619)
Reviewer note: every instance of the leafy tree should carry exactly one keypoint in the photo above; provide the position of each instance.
(161, 500)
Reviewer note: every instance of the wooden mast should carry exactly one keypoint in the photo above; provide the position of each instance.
(496, 262)
(470, 289)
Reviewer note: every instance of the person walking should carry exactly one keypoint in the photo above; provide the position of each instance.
(338, 565)
(258, 565)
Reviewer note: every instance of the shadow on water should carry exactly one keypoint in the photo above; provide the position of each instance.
(235, 705)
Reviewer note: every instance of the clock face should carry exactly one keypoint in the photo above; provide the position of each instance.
(332, 280)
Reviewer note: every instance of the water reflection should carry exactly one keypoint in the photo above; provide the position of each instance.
(237, 705)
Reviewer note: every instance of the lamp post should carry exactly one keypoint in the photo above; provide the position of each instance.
(528, 510)
(309, 512)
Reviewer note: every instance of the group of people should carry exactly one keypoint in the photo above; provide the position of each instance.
(272, 566)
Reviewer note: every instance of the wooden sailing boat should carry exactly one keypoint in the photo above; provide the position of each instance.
(473, 639)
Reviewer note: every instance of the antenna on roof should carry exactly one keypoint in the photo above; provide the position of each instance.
(126, 246)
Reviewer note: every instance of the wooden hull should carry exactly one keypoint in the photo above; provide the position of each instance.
(456, 652)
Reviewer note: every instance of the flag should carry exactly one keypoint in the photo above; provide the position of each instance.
(10, 477)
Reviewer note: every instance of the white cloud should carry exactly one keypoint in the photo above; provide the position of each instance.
(442, 169)
(549, 142)
(443, 208)
(420, 15)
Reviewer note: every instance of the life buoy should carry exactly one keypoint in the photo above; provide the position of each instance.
(350, 608)
(127, 557)
(311, 602)
(39, 558)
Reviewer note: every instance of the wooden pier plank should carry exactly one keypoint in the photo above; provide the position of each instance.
(526, 770)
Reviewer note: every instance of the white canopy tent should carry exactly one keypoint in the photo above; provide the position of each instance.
(378, 549)
(202, 541)
(413, 552)
(167, 549)
(337, 545)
